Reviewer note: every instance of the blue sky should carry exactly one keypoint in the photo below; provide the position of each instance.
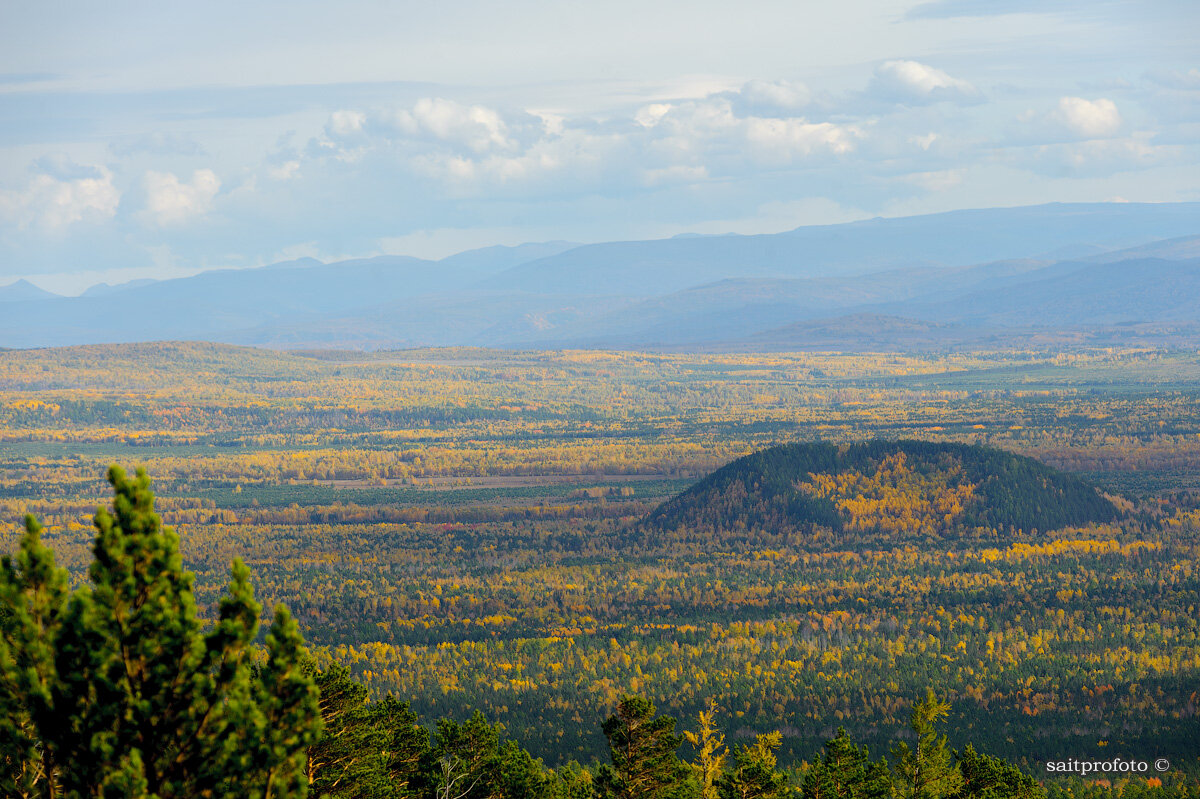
(149, 139)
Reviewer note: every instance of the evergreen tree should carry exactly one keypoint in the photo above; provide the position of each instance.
(572, 781)
(927, 771)
(755, 775)
(33, 596)
(987, 777)
(404, 748)
(644, 760)
(470, 762)
(117, 690)
(347, 760)
(844, 770)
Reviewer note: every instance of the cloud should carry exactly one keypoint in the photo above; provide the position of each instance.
(61, 195)
(1176, 79)
(674, 174)
(476, 150)
(472, 130)
(911, 82)
(157, 143)
(1095, 157)
(771, 98)
(712, 133)
(786, 140)
(345, 124)
(285, 171)
(62, 168)
(170, 201)
(650, 115)
(950, 9)
(475, 127)
(939, 180)
(1088, 119)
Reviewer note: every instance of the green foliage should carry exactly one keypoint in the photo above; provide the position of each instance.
(403, 747)
(754, 775)
(643, 747)
(33, 598)
(767, 490)
(987, 777)
(117, 690)
(926, 770)
(430, 520)
(843, 770)
(344, 758)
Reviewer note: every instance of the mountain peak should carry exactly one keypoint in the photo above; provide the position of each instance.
(23, 291)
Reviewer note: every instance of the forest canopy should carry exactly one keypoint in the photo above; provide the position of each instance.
(941, 489)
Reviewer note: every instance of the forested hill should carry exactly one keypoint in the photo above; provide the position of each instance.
(899, 489)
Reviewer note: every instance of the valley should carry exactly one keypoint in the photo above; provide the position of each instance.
(462, 527)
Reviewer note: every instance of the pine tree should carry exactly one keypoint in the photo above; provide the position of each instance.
(33, 596)
(346, 756)
(118, 690)
(987, 777)
(755, 775)
(927, 770)
(404, 747)
(644, 760)
(844, 770)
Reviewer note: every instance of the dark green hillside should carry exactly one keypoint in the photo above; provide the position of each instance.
(904, 489)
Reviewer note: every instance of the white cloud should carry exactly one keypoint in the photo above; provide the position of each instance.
(711, 132)
(343, 124)
(471, 150)
(785, 140)
(55, 201)
(939, 180)
(1088, 119)
(911, 81)
(924, 142)
(771, 98)
(285, 171)
(674, 174)
(650, 115)
(1097, 157)
(169, 201)
(477, 128)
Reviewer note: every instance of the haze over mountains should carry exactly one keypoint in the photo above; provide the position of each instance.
(1052, 274)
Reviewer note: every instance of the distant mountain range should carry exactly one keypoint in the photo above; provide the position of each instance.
(1054, 275)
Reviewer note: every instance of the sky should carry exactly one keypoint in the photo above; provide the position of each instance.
(154, 140)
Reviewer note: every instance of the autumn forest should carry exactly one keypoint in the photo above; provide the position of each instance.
(536, 537)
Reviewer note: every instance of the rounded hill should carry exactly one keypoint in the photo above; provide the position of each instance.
(894, 488)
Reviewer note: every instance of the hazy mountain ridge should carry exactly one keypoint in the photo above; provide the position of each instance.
(24, 291)
(877, 284)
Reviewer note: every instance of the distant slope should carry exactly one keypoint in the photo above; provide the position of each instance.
(1083, 295)
(958, 279)
(743, 307)
(101, 289)
(222, 304)
(451, 319)
(957, 238)
(1177, 249)
(489, 260)
(898, 489)
(24, 291)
